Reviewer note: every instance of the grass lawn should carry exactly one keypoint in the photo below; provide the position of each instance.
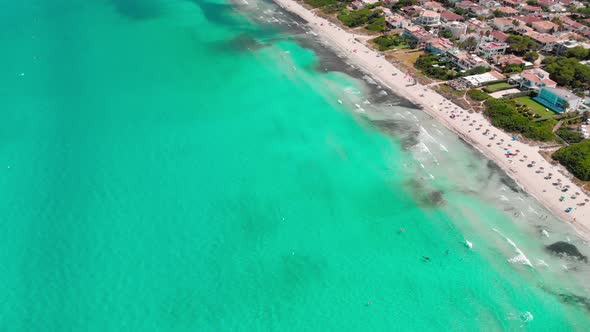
(408, 58)
(534, 106)
(447, 89)
(498, 87)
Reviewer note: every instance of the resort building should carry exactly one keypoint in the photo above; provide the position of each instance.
(499, 36)
(545, 26)
(504, 60)
(428, 18)
(434, 6)
(439, 46)
(558, 100)
(478, 26)
(416, 35)
(544, 41)
(466, 61)
(533, 79)
(503, 24)
(531, 9)
(396, 21)
(449, 16)
(507, 11)
(457, 29)
(479, 10)
(488, 50)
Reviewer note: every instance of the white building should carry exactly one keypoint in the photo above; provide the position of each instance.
(456, 28)
(428, 18)
(491, 49)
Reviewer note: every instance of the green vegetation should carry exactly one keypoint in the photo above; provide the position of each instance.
(576, 158)
(513, 68)
(445, 34)
(498, 87)
(320, 3)
(568, 72)
(531, 56)
(521, 44)
(469, 44)
(578, 52)
(460, 11)
(404, 3)
(356, 18)
(569, 135)
(534, 106)
(478, 95)
(378, 24)
(435, 66)
(504, 114)
(388, 42)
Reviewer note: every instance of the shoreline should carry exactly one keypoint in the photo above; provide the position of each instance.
(465, 125)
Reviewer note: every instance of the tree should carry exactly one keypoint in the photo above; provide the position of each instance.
(445, 34)
(558, 21)
(532, 2)
(460, 11)
(576, 158)
(577, 52)
(531, 56)
(513, 68)
(520, 44)
(469, 44)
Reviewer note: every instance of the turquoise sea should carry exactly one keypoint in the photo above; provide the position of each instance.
(185, 165)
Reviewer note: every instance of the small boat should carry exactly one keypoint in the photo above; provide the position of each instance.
(339, 101)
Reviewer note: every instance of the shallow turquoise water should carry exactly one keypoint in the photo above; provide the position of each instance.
(161, 172)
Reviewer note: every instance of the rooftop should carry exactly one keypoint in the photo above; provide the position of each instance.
(492, 45)
(499, 35)
(502, 21)
(450, 16)
(542, 38)
(429, 13)
(563, 93)
(507, 10)
(508, 59)
(545, 25)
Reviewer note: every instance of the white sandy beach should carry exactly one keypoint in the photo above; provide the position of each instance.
(468, 126)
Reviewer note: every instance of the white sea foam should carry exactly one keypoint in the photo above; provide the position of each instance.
(520, 257)
(468, 244)
(503, 198)
(533, 210)
(526, 317)
(424, 153)
(541, 262)
(444, 148)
